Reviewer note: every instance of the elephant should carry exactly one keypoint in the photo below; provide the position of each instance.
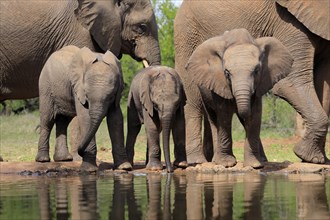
(31, 32)
(302, 26)
(232, 72)
(79, 82)
(156, 100)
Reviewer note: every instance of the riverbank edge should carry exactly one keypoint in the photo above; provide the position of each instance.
(72, 168)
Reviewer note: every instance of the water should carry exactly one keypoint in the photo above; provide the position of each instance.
(162, 196)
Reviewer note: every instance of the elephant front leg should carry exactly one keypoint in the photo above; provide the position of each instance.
(178, 133)
(116, 133)
(253, 149)
(194, 147)
(61, 147)
(223, 151)
(154, 151)
(133, 129)
(46, 125)
(89, 158)
(304, 99)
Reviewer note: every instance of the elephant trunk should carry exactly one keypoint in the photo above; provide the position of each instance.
(166, 129)
(96, 117)
(243, 102)
(154, 57)
(148, 50)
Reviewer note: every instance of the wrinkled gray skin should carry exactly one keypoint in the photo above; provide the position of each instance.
(302, 26)
(156, 100)
(233, 71)
(79, 82)
(31, 32)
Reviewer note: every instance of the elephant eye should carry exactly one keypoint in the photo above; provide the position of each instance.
(227, 74)
(141, 29)
(256, 70)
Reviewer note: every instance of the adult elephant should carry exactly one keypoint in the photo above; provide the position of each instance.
(31, 32)
(302, 26)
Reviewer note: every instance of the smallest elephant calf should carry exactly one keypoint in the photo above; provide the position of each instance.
(156, 100)
(79, 82)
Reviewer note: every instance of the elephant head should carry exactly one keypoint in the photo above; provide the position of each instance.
(235, 65)
(161, 91)
(122, 26)
(97, 83)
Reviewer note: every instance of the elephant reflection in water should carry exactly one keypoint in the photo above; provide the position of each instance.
(216, 193)
(123, 192)
(311, 196)
(75, 198)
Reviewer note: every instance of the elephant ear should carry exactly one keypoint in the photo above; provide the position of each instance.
(103, 20)
(205, 67)
(145, 94)
(80, 61)
(276, 63)
(110, 59)
(313, 14)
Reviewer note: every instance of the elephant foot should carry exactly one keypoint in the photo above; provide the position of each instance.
(225, 160)
(196, 158)
(65, 156)
(88, 166)
(180, 164)
(252, 161)
(124, 166)
(42, 156)
(76, 156)
(310, 152)
(154, 165)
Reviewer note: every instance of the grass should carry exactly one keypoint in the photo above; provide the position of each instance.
(19, 140)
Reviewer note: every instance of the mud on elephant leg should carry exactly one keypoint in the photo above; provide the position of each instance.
(61, 148)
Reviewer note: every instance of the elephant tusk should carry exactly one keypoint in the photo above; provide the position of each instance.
(145, 63)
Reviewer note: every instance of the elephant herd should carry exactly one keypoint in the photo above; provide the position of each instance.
(228, 54)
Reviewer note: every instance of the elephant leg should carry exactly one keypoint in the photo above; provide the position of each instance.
(46, 124)
(252, 143)
(194, 148)
(322, 78)
(61, 147)
(298, 89)
(223, 151)
(74, 138)
(133, 129)
(208, 139)
(304, 99)
(178, 133)
(115, 124)
(154, 151)
(89, 157)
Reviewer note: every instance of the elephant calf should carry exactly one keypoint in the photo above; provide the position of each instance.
(156, 100)
(78, 82)
(232, 72)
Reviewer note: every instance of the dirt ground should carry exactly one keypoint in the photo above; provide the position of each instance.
(72, 168)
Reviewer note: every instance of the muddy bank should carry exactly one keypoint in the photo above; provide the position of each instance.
(72, 168)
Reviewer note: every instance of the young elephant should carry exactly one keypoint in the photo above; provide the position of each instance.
(78, 82)
(233, 71)
(156, 100)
